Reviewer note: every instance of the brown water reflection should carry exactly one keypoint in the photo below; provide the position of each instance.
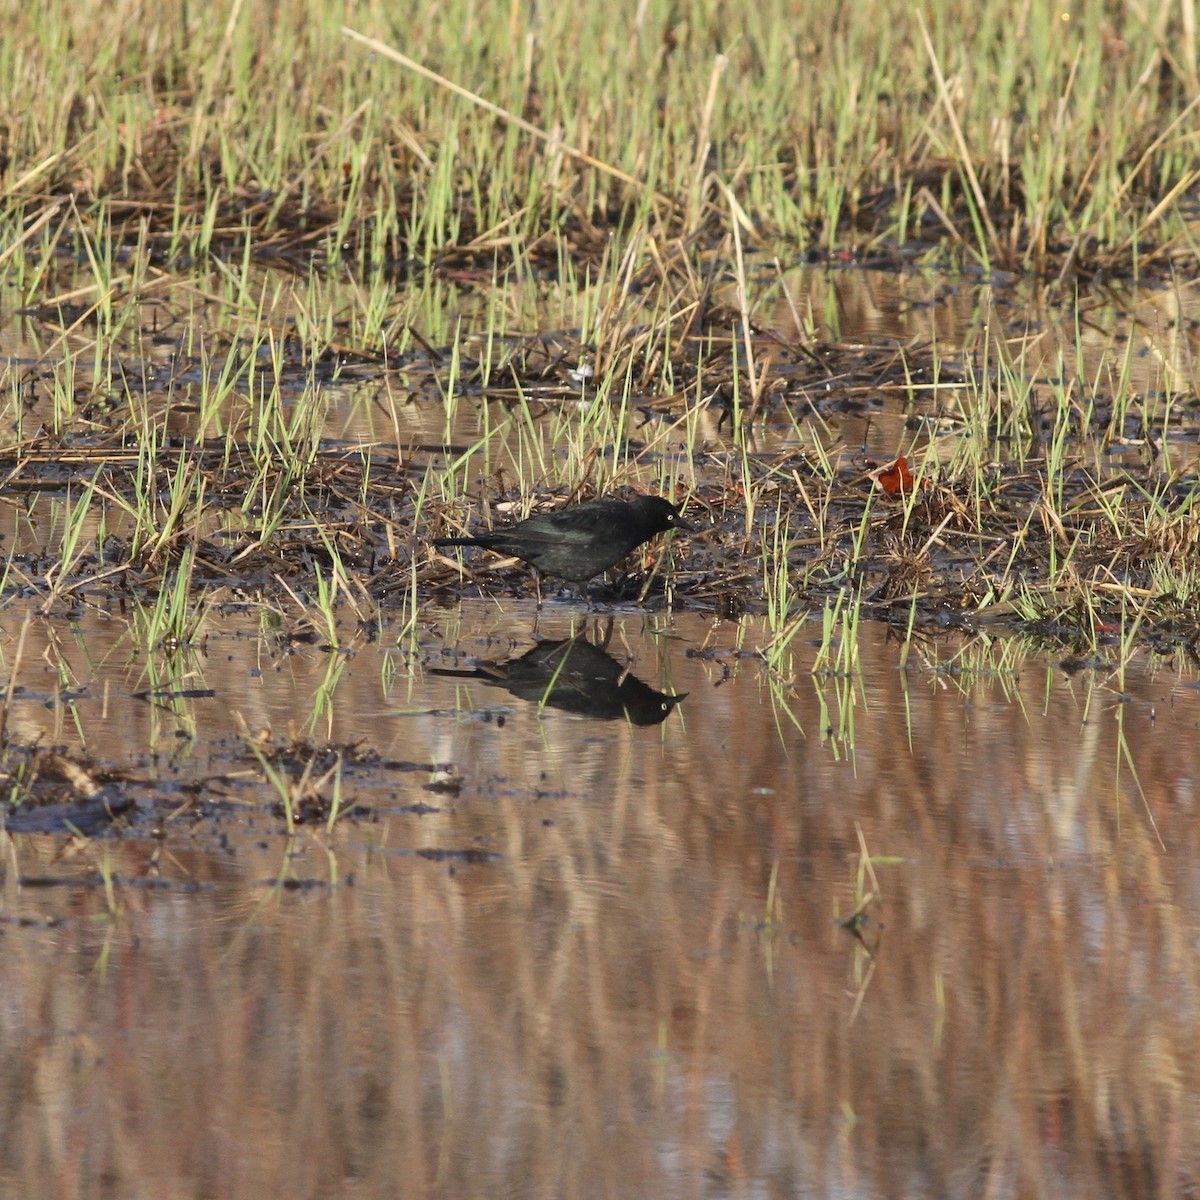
(644, 992)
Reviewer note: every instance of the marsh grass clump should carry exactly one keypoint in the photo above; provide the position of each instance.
(293, 302)
(1054, 140)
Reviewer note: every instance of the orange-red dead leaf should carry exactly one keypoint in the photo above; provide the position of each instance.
(894, 478)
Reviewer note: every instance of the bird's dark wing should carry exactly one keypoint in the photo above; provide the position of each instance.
(580, 524)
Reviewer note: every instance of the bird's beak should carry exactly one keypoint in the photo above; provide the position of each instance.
(680, 523)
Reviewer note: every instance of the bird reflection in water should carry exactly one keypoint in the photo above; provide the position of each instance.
(577, 676)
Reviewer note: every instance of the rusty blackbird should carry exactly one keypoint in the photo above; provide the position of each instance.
(581, 541)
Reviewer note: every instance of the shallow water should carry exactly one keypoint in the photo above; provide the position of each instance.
(602, 958)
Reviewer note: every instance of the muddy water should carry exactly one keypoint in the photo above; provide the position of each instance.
(545, 953)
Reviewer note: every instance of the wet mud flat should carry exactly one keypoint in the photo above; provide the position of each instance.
(890, 474)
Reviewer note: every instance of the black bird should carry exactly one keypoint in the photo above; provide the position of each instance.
(581, 541)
